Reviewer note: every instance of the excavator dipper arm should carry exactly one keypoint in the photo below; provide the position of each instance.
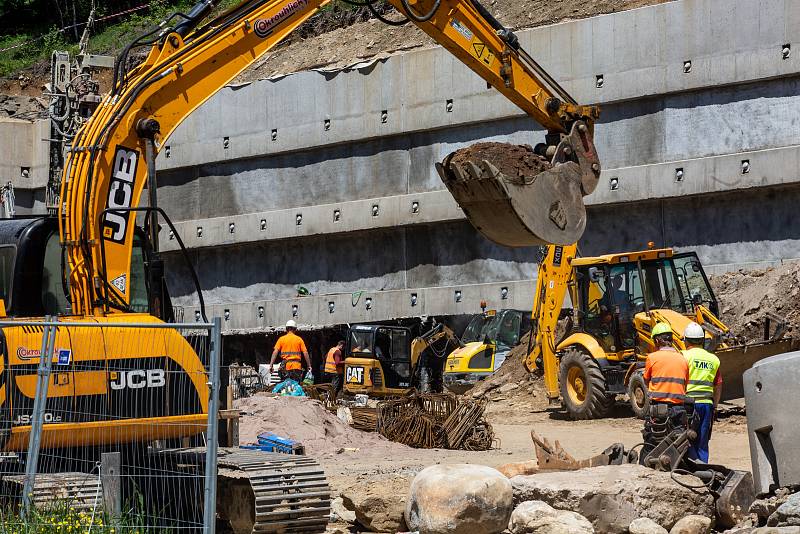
(512, 210)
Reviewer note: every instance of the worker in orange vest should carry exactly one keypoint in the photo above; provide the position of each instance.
(291, 347)
(334, 367)
(666, 374)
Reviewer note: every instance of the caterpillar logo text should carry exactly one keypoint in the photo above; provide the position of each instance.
(138, 379)
(120, 194)
(355, 375)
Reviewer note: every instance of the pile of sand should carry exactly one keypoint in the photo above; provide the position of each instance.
(304, 420)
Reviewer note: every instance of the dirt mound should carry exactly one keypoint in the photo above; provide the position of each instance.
(513, 393)
(306, 421)
(344, 46)
(746, 296)
(515, 161)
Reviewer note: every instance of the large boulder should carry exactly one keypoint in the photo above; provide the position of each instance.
(645, 525)
(459, 499)
(692, 524)
(537, 517)
(787, 514)
(611, 497)
(378, 503)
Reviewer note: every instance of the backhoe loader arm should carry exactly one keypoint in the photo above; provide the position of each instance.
(107, 167)
(552, 283)
(474, 36)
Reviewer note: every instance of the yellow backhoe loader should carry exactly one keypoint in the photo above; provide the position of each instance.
(384, 360)
(91, 264)
(615, 301)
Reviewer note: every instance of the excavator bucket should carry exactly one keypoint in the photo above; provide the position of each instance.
(530, 201)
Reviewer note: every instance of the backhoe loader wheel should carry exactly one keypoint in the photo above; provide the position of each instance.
(637, 395)
(583, 386)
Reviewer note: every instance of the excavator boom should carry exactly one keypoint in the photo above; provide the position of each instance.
(111, 157)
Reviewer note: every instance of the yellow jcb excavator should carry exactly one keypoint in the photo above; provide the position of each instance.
(615, 301)
(91, 264)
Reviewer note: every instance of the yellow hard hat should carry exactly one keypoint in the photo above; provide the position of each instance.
(660, 328)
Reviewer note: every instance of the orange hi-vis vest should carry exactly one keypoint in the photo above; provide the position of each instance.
(331, 366)
(667, 373)
(291, 348)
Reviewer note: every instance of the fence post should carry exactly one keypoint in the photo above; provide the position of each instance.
(110, 472)
(37, 418)
(212, 434)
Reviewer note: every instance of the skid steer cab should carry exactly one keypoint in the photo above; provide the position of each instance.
(386, 360)
(378, 360)
(488, 339)
(617, 299)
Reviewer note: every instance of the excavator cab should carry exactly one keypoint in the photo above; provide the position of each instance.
(32, 278)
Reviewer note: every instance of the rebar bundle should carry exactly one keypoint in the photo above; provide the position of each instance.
(429, 421)
(365, 418)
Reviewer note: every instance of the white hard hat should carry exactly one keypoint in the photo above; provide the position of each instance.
(694, 331)
(291, 324)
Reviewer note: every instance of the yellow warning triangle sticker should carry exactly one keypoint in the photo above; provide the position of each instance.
(479, 48)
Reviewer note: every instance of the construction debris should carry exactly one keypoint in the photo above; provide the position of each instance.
(518, 163)
(436, 421)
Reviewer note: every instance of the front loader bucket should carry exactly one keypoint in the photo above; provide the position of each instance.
(734, 361)
(521, 211)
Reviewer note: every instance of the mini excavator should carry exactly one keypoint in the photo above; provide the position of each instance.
(91, 263)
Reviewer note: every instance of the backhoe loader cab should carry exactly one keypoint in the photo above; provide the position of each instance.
(488, 339)
(613, 289)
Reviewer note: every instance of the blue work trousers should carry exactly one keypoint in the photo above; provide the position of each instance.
(703, 421)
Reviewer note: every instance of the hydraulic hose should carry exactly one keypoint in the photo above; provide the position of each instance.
(383, 19)
(420, 18)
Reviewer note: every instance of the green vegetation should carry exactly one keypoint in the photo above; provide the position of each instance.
(61, 518)
(109, 36)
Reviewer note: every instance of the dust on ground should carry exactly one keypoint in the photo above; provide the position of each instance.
(518, 162)
(746, 296)
(307, 421)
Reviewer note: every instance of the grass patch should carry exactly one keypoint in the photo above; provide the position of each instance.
(61, 518)
(109, 38)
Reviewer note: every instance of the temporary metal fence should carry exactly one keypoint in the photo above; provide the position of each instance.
(95, 421)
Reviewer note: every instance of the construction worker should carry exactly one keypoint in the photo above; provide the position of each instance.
(334, 366)
(291, 347)
(666, 374)
(705, 387)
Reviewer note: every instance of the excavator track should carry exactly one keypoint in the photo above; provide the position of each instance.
(264, 492)
(81, 491)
